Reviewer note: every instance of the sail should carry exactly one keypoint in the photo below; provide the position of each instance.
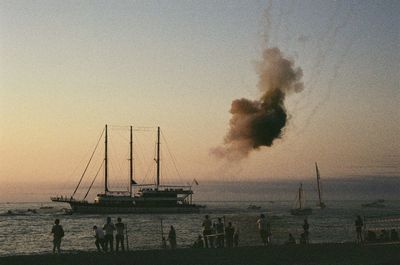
(300, 207)
(320, 202)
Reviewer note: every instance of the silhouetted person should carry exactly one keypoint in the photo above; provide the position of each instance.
(359, 226)
(236, 238)
(220, 232)
(109, 235)
(58, 234)
(99, 235)
(384, 236)
(163, 243)
(371, 236)
(213, 238)
(199, 242)
(394, 236)
(172, 237)
(206, 230)
(229, 232)
(303, 240)
(306, 228)
(291, 240)
(269, 233)
(119, 237)
(262, 228)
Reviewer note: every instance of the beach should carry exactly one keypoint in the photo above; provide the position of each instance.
(318, 254)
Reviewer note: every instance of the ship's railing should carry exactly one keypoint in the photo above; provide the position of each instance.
(162, 186)
(66, 199)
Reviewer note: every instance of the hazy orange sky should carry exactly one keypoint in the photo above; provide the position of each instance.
(68, 68)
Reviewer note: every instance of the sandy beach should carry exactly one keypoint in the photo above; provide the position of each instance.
(318, 254)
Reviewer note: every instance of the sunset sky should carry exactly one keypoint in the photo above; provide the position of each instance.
(69, 67)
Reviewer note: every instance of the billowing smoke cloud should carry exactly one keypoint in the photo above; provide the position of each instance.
(257, 123)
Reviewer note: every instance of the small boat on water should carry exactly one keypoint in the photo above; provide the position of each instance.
(375, 204)
(253, 207)
(147, 198)
(46, 207)
(300, 208)
(320, 204)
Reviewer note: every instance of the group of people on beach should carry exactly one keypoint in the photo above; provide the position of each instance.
(385, 235)
(264, 228)
(105, 236)
(217, 235)
(214, 235)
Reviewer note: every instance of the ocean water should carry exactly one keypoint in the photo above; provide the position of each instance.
(27, 214)
(25, 227)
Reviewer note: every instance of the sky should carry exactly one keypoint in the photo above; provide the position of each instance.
(67, 68)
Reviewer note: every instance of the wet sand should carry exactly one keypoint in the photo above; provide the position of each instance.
(317, 254)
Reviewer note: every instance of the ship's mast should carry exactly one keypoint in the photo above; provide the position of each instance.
(131, 162)
(105, 162)
(318, 185)
(158, 157)
(300, 195)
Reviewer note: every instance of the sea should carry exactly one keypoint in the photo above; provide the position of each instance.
(25, 226)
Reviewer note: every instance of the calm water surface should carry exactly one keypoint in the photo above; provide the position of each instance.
(27, 228)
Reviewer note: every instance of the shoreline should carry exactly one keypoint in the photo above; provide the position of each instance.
(318, 254)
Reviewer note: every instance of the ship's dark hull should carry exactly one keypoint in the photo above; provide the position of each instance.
(93, 208)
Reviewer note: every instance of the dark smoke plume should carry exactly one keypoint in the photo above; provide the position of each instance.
(257, 123)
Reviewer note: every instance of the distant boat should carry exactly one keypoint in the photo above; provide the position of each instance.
(300, 208)
(149, 198)
(320, 204)
(46, 207)
(375, 204)
(253, 207)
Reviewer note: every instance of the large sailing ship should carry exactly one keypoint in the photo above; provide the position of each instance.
(140, 198)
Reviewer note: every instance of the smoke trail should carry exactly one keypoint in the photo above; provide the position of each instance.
(257, 123)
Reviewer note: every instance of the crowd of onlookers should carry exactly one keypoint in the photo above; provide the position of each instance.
(371, 236)
(215, 235)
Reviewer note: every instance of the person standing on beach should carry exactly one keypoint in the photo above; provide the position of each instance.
(99, 235)
(236, 238)
(229, 232)
(58, 234)
(306, 227)
(269, 233)
(199, 242)
(262, 228)
(303, 240)
(291, 240)
(109, 235)
(212, 238)
(220, 233)
(172, 237)
(206, 230)
(359, 225)
(119, 237)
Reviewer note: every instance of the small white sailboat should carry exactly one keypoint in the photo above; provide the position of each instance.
(320, 203)
(300, 208)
